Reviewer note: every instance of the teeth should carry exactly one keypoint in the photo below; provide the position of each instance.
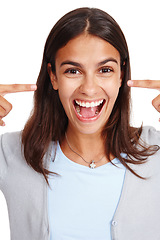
(96, 113)
(88, 104)
(78, 109)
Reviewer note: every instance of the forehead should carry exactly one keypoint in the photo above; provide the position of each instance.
(87, 47)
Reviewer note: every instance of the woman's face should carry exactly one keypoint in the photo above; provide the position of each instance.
(88, 78)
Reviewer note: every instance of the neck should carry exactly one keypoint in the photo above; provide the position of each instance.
(87, 145)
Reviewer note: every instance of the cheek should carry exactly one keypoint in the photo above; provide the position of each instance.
(112, 90)
(66, 90)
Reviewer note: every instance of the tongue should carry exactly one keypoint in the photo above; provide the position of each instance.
(88, 112)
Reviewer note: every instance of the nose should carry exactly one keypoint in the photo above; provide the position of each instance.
(89, 86)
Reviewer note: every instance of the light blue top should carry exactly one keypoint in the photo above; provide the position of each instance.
(82, 201)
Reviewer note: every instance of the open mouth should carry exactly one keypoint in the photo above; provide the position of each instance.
(88, 110)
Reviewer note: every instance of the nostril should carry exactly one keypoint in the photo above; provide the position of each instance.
(89, 89)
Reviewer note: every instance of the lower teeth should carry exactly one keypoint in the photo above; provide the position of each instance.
(96, 113)
(78, 109)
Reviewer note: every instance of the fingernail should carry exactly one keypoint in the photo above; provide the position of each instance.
(33, 87)
(130, 83)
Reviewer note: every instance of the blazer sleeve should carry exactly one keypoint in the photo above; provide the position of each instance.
(3, 162)
(151, 136)
(10, 150)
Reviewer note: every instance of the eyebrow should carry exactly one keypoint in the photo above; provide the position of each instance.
(107, 60)
(76, 64)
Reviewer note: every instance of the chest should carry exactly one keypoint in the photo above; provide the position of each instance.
(83, 202)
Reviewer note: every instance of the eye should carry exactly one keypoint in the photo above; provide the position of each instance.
(106, 70)
(72, 71)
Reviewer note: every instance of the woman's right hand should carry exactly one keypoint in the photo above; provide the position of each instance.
(5, 106)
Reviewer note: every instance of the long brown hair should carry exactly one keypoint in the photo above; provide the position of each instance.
(48, 121)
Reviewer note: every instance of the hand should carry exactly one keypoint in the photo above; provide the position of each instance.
(152, 84)
(5, 106)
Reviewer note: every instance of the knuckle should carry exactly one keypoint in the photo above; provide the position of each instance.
(15, 86)
(156, 103)
(2, 92)
(2, 112)
(149, 82)
(9, 107)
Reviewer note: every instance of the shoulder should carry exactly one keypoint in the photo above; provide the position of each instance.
(11, 137)
(10, 142)
(150, 135)
(150, 169)
(10, 146)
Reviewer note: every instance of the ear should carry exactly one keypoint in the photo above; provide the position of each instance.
(53, 77)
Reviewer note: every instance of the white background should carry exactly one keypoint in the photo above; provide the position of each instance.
(24, 27)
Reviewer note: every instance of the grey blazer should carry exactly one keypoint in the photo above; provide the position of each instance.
(137, 216)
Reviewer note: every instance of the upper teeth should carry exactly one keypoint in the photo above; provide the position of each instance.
(89, 104)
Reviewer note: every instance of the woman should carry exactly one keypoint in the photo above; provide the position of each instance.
(78, 170)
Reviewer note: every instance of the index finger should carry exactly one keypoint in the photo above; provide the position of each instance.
(152, 84)
(13, 88)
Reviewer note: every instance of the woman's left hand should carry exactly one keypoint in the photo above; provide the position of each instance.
(152, 84)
